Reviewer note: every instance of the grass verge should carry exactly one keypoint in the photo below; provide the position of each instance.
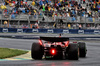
(7, 53)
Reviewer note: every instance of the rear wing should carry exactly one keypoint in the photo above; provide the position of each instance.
(55, 39)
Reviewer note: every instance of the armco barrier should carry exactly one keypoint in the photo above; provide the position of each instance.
(67, 31)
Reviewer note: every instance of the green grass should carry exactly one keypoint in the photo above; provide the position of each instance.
(6, 53)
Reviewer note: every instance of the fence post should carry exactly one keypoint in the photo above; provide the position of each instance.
(1, 19)
(85, 20)
(28, 20)
(19, 19)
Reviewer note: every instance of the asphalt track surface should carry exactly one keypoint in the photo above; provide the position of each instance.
(92, 58)
(49, 34)
(37, 36)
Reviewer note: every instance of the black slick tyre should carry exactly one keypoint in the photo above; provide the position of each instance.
(73, 52)
(82, 49)
(37, 51)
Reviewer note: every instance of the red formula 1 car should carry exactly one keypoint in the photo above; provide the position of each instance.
(58, 48)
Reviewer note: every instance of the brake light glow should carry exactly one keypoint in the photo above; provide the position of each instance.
(40, 42)
(53, 51)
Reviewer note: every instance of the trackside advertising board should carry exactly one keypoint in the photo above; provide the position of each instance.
(66, 31)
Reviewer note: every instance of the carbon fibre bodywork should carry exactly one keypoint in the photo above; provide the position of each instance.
(54, 39)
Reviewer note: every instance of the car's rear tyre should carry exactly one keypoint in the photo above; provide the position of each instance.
(73, 52)
(37, 51)
(82, 49)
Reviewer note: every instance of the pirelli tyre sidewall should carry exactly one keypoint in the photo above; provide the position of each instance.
(37, 51)
(73, 51)
(82, 49)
